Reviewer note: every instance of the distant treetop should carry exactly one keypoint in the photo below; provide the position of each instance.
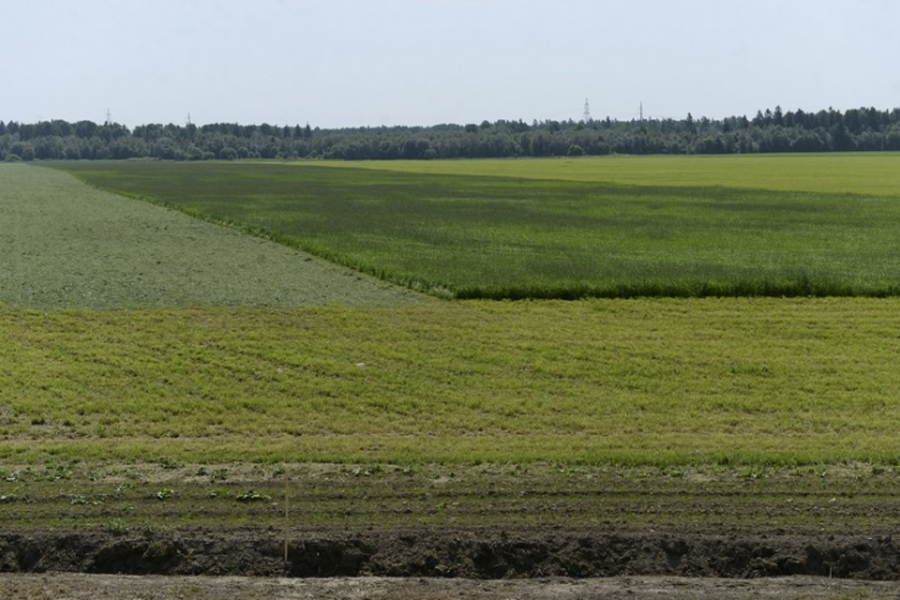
(863, 129)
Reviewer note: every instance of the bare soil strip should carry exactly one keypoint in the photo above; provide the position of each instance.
(75, 586)
(470, 554)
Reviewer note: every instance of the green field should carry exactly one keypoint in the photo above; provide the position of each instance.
(379, 375)
(693, 227)
(862, 173)
(600, 381)
(64, 245)
(160, 373)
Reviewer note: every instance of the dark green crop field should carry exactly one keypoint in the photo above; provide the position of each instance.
(476, 236)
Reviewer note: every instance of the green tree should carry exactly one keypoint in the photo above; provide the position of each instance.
(23, 150)
(840, 138)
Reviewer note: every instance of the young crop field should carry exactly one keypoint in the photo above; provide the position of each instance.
(660, 381)
(65, 245)
(475, 439)
(861, 173)
(181, 397)
(709, 232)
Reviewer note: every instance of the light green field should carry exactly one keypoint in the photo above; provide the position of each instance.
(600, 381)
(606, 381)
(858, 172)
(223, 366)
(66, 245)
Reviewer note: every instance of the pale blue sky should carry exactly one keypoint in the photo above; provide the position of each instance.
(342, 63)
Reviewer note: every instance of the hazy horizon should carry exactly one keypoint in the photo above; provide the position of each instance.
(348, 63)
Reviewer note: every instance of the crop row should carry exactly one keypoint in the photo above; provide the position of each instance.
(606, 381)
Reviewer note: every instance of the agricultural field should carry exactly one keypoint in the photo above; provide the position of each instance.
(657, 381)
(555, 234)
(64, 245)
(865, 173)
(239, 413)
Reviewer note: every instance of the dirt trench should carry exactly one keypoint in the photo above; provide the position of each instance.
(469, 554)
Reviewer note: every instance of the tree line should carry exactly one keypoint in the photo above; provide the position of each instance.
(863, 129)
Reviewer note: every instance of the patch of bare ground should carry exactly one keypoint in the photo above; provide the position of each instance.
(447, 553)
(77, 586)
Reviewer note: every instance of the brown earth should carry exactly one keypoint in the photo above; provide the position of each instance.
(62, 586)
(444, 532)
(473, 554)
(416, 563)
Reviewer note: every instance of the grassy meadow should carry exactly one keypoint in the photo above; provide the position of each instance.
(608, 227)
(655, 381)
(609, 381)
(863, 173)
(65, 245)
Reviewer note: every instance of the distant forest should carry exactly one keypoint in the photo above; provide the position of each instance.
(864, 129)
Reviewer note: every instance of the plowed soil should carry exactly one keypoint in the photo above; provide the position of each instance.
(438, 531)
(446, 564)
(468, 554)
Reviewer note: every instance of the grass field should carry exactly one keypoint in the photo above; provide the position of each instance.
(746, 380)
(134, 414)
(603, 381)
(65, 245)
(544, 230)
(865, 173)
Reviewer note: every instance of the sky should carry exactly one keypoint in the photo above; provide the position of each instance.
(353, 63)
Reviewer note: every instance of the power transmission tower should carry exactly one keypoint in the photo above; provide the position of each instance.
(108, 117)
(642, 112)
(587, 112)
